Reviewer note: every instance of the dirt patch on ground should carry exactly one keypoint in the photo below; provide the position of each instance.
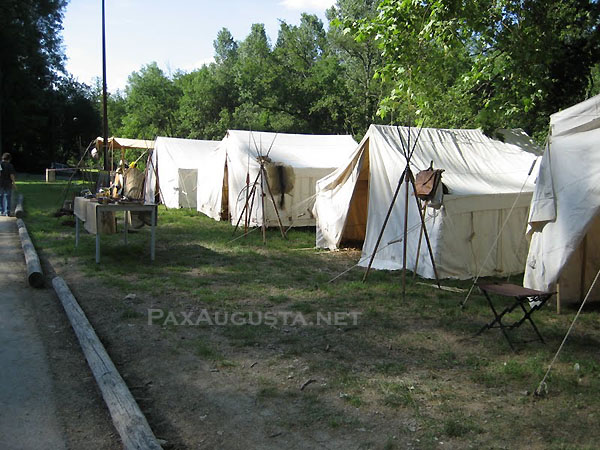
(82, 412)
(405, 375)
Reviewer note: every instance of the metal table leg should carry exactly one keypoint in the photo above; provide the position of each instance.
(152, 233)
(125, 225)
(76, 231)
(97, 237)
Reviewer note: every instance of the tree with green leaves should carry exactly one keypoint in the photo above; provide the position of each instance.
(360, 62)
(152, 103)
(309, 91)
(33, 88)
(485, 63)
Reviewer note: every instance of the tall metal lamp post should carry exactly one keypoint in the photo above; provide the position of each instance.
(104, 108)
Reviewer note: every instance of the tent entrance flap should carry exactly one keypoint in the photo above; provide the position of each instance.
(577, 275)
(355, 228)
(225, 195)
(188, 182)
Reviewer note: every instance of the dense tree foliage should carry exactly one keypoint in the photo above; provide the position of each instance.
(489, 64)
(444, 63)
(43, 113)
(485, 63)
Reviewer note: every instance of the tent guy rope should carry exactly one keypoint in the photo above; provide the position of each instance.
(540, 389)
(512, 208)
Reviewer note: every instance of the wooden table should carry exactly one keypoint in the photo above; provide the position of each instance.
(81, 204)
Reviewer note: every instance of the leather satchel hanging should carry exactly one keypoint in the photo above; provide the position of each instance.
(427, 182)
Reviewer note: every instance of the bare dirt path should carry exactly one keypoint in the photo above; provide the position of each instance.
(47, 396)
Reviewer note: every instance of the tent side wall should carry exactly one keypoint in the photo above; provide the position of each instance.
(294, 206)
(469, 227)
(168, 175)
(581, 268)
(571, 205)
(334, 195)
(188, 188)
(355, 227)
(293, 165)
(211, 181)
(151, 183)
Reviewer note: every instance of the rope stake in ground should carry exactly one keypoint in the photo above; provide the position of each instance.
(541, 387)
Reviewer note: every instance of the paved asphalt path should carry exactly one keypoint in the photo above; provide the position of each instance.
(28, 415)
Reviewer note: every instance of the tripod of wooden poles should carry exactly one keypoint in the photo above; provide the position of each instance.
(261, 183)
(407, 178)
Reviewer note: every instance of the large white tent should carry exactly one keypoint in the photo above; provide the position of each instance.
(294, 162)
(489, 189)
(564, 220)
(173, 168)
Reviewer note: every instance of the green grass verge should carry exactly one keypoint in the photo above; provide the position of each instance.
(405, 358)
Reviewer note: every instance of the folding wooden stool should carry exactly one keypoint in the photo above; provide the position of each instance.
(529, 300)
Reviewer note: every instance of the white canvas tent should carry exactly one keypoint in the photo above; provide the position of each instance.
(295, 163)
(173, 167)
(564, 220)
(118, 143)
(485, 179)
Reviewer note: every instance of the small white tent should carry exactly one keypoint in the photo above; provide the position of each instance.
(564, 219)
(294, 163)
(173, 167)
(487, 182)
(124, 143)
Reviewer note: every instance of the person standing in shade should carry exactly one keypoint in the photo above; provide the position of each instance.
(7, 182)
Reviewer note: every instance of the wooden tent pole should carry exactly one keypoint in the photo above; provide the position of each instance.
(420, 236)
(558, 297)
(246, 223)
(407, 179)
(157, 181)
(583, 263)
(283, 234)
(387, 217)
(262, 201)
(246, 210)
(426, 234)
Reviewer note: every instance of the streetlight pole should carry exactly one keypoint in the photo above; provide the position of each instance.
(104, 108)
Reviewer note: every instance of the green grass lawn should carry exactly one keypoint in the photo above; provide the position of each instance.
(405, 358)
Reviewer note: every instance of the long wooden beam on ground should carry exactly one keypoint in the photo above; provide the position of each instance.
(127, 417)
(19, 211)
(35, 276)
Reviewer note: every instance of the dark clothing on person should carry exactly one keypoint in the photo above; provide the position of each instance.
(5, 175)
(6, 184)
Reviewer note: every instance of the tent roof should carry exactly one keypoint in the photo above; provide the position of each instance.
(296, 150)
(118, 142)
(473, 163)
(581, 117)
(184, 153)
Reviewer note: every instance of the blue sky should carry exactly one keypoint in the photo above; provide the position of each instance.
(177, 34)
